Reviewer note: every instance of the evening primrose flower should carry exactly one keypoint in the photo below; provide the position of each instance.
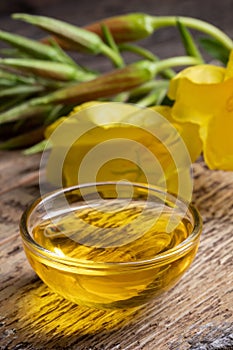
(203, 95)
(115, 141)
(188, 131)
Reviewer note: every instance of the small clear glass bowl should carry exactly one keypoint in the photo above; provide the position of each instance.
(110, 245)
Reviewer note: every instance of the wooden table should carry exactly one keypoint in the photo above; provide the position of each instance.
(196, 314)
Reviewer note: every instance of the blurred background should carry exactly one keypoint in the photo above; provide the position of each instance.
(81, 12)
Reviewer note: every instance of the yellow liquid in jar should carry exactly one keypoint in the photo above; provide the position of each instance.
(120, 232)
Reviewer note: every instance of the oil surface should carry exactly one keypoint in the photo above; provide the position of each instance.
(129, 232)
(125, 233)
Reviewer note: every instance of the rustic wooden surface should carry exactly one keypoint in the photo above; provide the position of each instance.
(196, 314)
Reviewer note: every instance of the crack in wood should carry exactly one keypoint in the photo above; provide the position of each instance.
(217, 339)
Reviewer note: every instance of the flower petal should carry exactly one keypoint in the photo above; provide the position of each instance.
(218, 144)
(200, 74)
(196, 103)
(188, 131)
(229, 68)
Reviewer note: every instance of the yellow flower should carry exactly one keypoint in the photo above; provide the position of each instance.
(50, 129)
(135, 144)
(203, 95)
(188, 131)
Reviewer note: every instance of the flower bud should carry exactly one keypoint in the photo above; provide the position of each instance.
(125, 28)
(106, 85)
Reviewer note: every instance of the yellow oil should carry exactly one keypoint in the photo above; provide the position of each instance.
(116, 232)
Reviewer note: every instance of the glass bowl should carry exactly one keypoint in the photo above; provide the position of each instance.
(110, 245)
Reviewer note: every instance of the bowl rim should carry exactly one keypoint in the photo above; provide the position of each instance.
(172, 254)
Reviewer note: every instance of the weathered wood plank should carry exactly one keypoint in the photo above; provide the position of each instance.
(19, 186)
(17, 170)
(32, 317)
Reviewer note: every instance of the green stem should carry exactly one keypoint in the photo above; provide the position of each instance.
(194, 23)
(175, 62)
(189, 43)
(119, 63)
(148, 100)
(168, 73)
(112, 55)
(149, 86)
(141, 51)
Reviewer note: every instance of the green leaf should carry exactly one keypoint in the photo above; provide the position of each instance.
(73, 34)
(65, 58)
(48, 69)
(22, 111)
(64, 30)
(37, 148)
(31, 47)
(20, 89)
(215, 49)
(14, 78)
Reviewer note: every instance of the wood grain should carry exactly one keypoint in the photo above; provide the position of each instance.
(33, 317)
